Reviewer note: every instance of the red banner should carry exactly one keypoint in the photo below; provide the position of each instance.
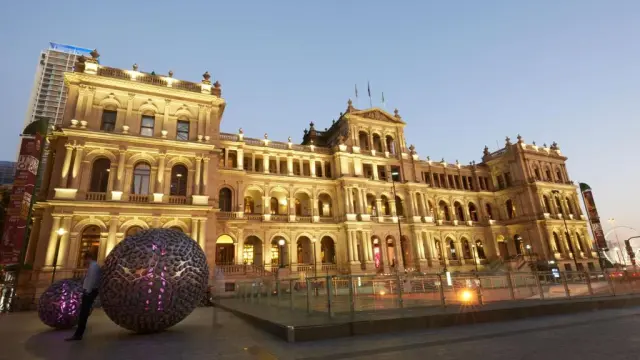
(16, 219)
(592, 212)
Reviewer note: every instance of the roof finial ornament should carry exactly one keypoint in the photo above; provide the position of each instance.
(428, 158)
(443, 162)
(457, 162)
(170, 73)
(507, 141)
(544, 145)
(520, 141)
(240, 131)
(205, 78)
(289, 139)
(412, 149)
(486, 150)
(396, 113)
(349, 103)
(311, 124)
(135, 67)
(266, 136)
(534, 143)
(95, 54)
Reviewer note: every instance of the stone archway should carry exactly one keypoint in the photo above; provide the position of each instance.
(225, 250)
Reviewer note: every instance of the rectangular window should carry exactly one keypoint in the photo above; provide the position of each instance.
(500, 182)
(436, 180)
(451, 183)
(182, 130)
(470, 181)
(465, 184)
(395, 173)
(108, 120)
(147, 124)
(457, 180)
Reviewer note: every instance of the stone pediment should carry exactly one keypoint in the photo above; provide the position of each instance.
(378, 114)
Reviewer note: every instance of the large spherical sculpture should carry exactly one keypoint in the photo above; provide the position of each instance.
(59, 305)
(153, 280)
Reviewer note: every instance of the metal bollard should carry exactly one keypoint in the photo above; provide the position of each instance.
(540, 290)
(352, 304)
(329, 309)
(610, 281)
(443, 300)
(512, 294)
(400, 288)
(291, 294)
(308, 296)
(588, 279)
(566, 285)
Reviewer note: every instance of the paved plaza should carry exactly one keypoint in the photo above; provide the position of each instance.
(610, 334)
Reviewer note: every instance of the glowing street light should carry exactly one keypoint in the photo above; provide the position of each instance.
(60, 232)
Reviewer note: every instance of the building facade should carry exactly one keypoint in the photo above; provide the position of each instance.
(137, 150)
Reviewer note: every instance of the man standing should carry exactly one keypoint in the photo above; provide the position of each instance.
(90, 288)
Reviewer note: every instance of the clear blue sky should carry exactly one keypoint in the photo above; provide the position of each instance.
(463, 74)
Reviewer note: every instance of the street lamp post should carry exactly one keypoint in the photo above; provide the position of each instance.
(281, 256)
(612, 221)
(60, 233)
(617, 250)
(566, 228)
(395, 253)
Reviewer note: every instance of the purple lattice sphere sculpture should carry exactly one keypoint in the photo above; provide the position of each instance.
(153, 280)
(59, 305)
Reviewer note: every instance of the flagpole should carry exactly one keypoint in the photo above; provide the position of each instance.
(369, 91)
(356, 86)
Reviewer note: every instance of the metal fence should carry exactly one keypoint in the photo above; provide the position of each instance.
(337, 294)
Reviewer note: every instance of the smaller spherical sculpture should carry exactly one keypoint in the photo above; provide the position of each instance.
(59, 305)
(152, 280)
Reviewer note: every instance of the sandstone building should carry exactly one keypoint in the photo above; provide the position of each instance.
(138, 150)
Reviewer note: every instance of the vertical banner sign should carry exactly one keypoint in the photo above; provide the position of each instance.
(16, 221)
(594, 219)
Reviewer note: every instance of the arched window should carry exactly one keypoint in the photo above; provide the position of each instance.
(249, 205)
(536, 173)
(90, 243)
(547, 204)
(570, 206)
(547, 173)
(559, 205)
(224, 199)
(459, 211)
(438, 249)
(391, 145)
(466, 249)
(399, 207)
(452, 250)
(141, 179)
(386, 210)
(363, 139)
(273, 206)
(558, 175)
(443, 210)
(327, 250)
(556, 241)
(489, 211)
(580, 244)
(480, 250)
(100, 175)
(473, 212)
(178, 181)
(511, 212)
(377, 143)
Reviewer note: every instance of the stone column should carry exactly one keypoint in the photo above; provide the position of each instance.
(346, 200)
(312, 167)
(277, 164)
(81, 95)
(226, 158)
(66, 164)
(53, 240)
(33, 240)
(160, 175)
(196, 182)
(350, 246)
(205, 175)
(75, 172)
(240, 159)
(202, 236)
(194, 229)
(111, 238)
(265, 163)
(121, 169)
(165, 118)
(129, 114)
(63, 252)
(392, 205)
(423, 205)
(366, 239)
(289, 165)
